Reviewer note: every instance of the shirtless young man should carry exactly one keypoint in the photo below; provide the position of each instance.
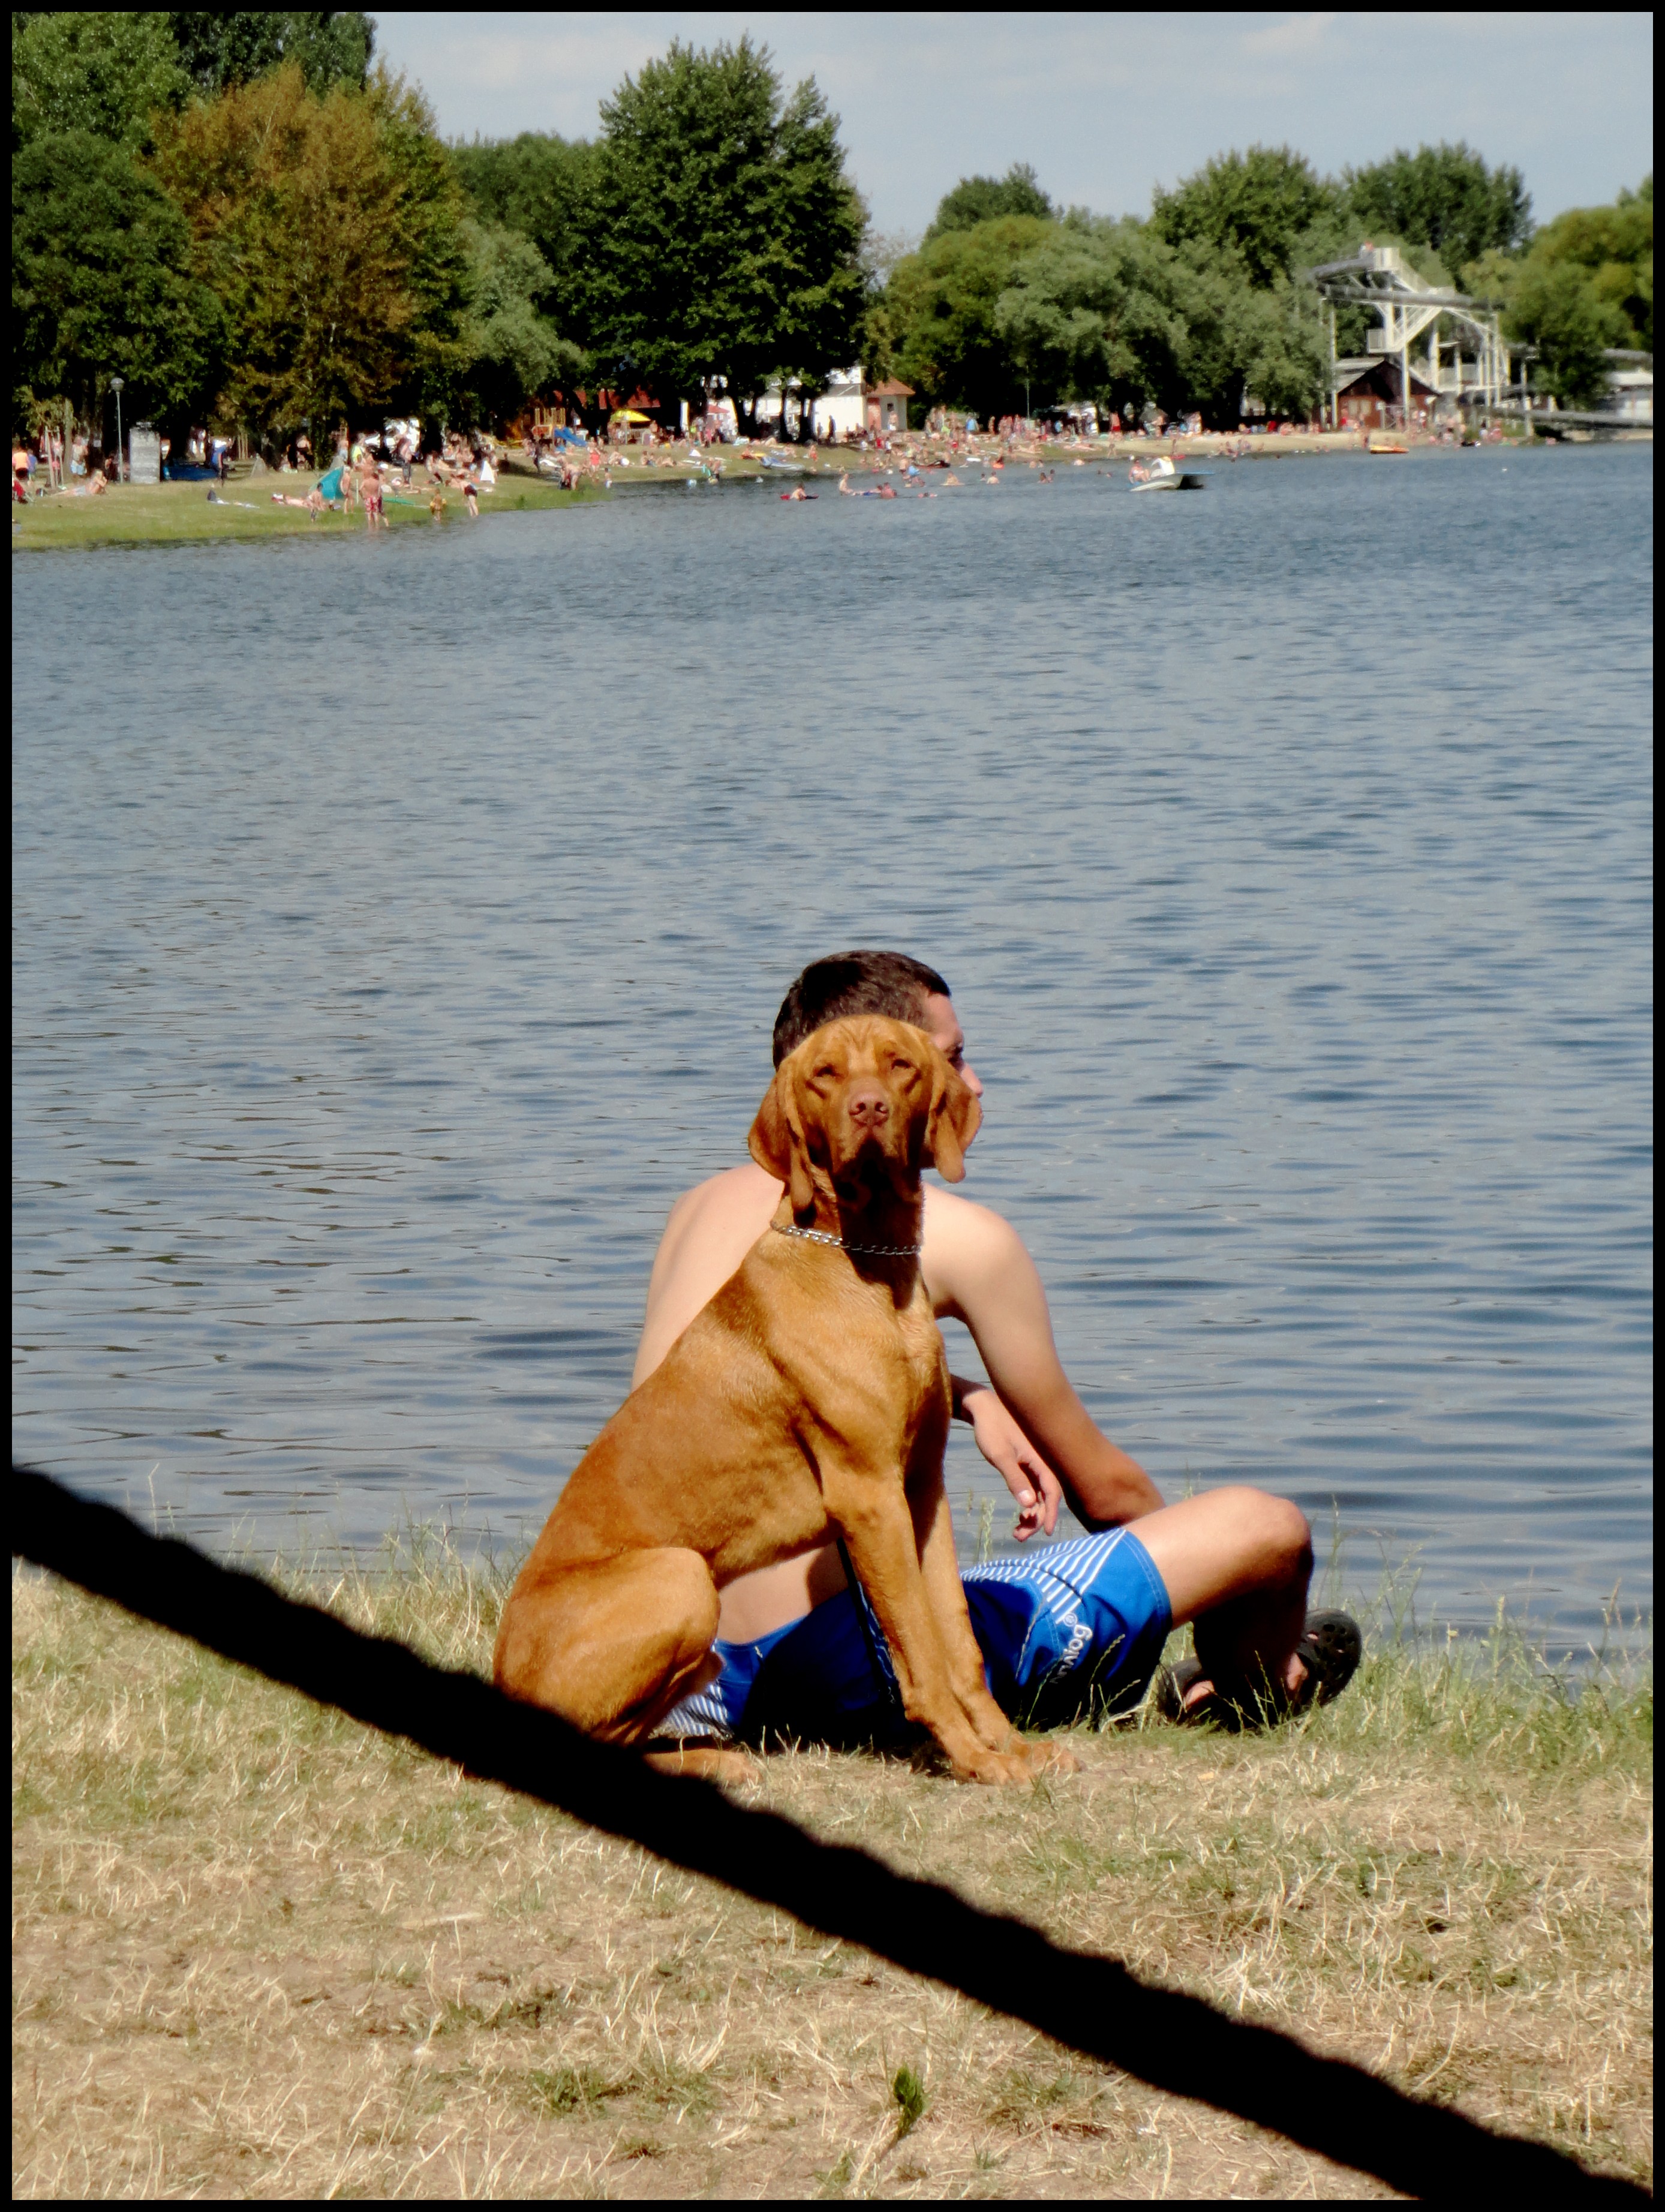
(1074, 1622)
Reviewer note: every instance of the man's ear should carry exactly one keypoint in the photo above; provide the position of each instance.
(955, 1117)
(776, 1141)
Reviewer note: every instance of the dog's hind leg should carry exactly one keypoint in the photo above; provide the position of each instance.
(610, 1644)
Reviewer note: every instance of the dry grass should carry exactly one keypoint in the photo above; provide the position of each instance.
(257, 1950)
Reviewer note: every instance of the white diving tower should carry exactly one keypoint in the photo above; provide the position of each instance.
(1379, 277)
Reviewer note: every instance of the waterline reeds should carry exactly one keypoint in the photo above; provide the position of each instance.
(256, 1949)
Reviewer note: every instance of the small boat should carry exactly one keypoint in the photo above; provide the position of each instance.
(1386, 445)
(1163, 476)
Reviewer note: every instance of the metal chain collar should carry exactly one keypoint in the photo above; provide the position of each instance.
(869, 1251)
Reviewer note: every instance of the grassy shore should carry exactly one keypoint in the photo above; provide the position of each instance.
(182, 514)
(258, 1950)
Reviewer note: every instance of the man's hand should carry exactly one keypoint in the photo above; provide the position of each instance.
(1009, 1451)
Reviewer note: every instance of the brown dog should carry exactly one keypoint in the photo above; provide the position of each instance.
(809, 1399)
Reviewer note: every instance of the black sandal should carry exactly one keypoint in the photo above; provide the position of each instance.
(1330, 1648)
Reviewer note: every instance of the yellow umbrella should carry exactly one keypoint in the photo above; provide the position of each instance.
(629, 415)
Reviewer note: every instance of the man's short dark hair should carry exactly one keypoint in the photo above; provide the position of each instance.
(853, 983)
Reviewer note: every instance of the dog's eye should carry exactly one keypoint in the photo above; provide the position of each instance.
(825, 1074)
(901, 1067)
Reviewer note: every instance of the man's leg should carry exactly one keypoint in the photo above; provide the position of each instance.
(1235, 1563)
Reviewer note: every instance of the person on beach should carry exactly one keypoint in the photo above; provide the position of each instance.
(472, 493)
(1067, 1629)
(370, 488)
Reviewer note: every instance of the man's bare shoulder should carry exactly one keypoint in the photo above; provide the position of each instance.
(710, 1229)
(965, 1244)
(961, 1222)
(737, 1194)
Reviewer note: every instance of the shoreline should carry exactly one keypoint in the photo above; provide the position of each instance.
(244, 509)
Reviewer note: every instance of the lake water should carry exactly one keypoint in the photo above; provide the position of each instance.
(400, 927)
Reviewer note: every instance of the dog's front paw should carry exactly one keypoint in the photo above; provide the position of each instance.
(1053, 1758)
(1017, 1764)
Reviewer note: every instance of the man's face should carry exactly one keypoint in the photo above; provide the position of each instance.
(942, 1025)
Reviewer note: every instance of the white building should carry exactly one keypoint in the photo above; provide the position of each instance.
(1630, 387)
(847, 406)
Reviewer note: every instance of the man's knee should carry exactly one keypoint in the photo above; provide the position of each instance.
(1274, 1529)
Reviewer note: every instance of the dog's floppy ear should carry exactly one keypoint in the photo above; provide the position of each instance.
(955, 1117)
(776, 1141)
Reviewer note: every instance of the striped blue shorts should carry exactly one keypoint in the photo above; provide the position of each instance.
(1072, 1629)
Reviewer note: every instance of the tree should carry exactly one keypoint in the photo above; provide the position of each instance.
(1556, 308)
(328, 228)
(982, 200)
(331, 48)
(1257, 205)
(1113, 314)
(1447, 197)
(431, 208)
(939, 316)
(539, 186)
(102, 285)
(1585, 286)
(514, 350)
(102, 74)
(725, 235)
(1614, 246)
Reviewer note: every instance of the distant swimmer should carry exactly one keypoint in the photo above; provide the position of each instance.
(798, 492)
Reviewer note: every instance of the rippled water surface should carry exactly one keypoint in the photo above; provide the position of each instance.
(400, 925)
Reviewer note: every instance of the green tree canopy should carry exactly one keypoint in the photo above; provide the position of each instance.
(1258, 204)
(102, 284)
(1614, 247)
(331, 48)
(514, 351)
(725, 236)
(539, 186)
(1586, 285)
(100, 73)
(982, 199)
(1556, 307)
(329, 229)
(1113, 314)
(939, 311)
(1447, 197)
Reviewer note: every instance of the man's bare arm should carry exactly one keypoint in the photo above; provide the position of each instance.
(987, 1280)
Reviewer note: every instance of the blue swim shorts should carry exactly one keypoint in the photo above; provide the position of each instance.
(1073, 1629)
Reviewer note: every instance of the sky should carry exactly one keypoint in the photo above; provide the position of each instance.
(1105, 107)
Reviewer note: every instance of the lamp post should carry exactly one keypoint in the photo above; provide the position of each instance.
(115, 386)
